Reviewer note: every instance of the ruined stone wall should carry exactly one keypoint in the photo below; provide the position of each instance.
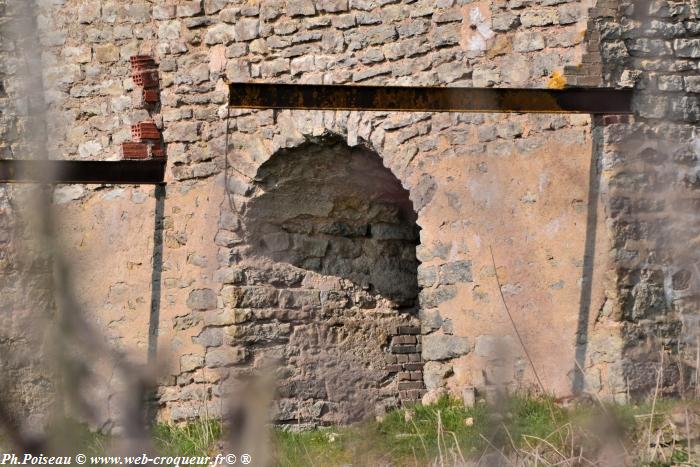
(648, 168)
(27, 383)
(227, 305)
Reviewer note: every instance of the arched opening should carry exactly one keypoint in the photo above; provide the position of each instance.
(335, 233)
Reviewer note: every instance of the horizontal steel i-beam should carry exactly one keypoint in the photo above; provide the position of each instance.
(429, 99)
(145, 172)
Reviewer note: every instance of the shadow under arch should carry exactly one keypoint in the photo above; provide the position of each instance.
(334, 232)
(336, 210)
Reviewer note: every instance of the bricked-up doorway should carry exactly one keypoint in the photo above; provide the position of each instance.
(334, 232)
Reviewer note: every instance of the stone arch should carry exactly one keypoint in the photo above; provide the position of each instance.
(326, 207)
(328, 282)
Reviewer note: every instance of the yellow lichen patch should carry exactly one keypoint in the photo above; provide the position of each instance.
(556, 81)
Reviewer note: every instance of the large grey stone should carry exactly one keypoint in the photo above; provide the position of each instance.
(182, 131)
(430, 320)
(209, 337)
(332, 6)
(432, 298)
(427, 275)
(434, 374)
(441, 347)
(225, 356)
(687, 48)
(456, 272)
(528, 42)
(220, 34)
(201, 299)
(190, 8)
(190, 363)
(247, 29)
(226, 317)
(300, 8)
(538, 17)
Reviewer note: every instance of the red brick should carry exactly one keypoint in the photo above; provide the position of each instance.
(142, 62)
(146, 79)
(157, 151)
(152, 96)
(414, 366)
(145, 131)
(403, 348)
(134, 150)
(405, 385)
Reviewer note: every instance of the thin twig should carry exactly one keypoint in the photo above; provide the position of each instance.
(439, 433)
(653, 403)
(496, 449)
(512, 322)
(420, 436)
(459, 450)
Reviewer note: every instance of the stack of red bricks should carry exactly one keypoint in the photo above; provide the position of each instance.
(146, 138)
(405, 360)
(146, 142)
(144, 72)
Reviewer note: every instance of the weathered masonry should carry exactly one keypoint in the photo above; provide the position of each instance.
(350, 251)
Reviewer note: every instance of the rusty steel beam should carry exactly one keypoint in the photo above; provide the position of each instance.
(429, 99)
(148, 172)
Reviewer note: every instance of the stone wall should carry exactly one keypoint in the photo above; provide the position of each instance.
(648, 168)
(257, 268)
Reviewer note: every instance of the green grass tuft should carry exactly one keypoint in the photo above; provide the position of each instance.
(199, 438)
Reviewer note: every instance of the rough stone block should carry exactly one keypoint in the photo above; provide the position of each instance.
(687, 48)
(189, 8)
(209, 337)
(226, 317)
(528, 41)
(538, 17)
(201, 299)
(249, 297)
(107, 53)
(227, 356)
(300, 8)
(692, 84)
(456, 272)
(220, 34)
(332, 6)
(190, 363)
(299, 298)
(442, 347)
(569, 13)
(427, 276)
(247, 29)
(182, 131)
(89, 12)
(434, 374)
(432, 298)
(275, 67)
(502, 22)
